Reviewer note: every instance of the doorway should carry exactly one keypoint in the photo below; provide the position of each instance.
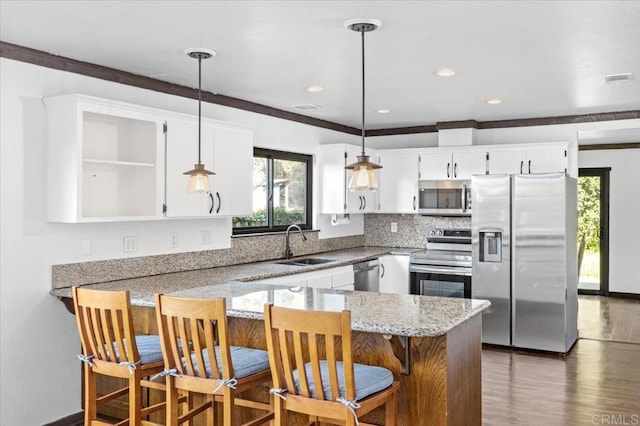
(593, 231)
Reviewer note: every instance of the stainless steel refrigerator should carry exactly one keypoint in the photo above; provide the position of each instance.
(524, 259)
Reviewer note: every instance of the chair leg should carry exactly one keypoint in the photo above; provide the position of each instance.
(280, 414)
(90, 395)
(172, 402)
(390, 409)
(135, 399)
(227, 407)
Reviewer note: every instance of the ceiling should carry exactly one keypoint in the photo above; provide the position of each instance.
(543, 58)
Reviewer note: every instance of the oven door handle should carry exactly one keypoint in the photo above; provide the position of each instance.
(439, 270)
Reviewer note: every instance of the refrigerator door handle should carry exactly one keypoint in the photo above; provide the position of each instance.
(464, 198)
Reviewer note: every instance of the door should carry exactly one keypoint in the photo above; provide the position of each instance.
(548, 159)
(436, 165)
(394, 274)
(181, 155)
(539, 282)
(593, 231)
(398, 190)
(468, 163)
(492, 277)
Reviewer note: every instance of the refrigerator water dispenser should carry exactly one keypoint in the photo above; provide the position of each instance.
(490, 246)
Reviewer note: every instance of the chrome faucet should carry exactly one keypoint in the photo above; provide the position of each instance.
(287, 251)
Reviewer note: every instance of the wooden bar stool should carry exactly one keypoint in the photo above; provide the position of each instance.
(213, 367)
(111, 348)
(309, 378)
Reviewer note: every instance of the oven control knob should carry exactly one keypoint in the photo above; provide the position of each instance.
(432, 232)
(440, 233)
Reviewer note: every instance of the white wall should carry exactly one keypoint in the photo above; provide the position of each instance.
(624, 211)
(38, 336)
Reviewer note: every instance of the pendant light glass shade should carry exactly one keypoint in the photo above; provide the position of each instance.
(364, 175)
(199, 181)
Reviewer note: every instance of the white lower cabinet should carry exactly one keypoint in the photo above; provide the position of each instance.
(394, 274)
(340, 278)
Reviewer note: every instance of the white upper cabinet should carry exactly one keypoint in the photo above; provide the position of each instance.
(459, 165)
(104, 161)
(225, 150)
(398, 190)
(111, 161)
(546, 158)
(336, 198)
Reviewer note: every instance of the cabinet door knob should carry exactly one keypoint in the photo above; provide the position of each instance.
(455, 170)
(219, 202)
(365, 202)
(529, 166)
(360, 196)
(448, 169)
(414, 202)
(521, 164)
(382, 267)
(211, 203)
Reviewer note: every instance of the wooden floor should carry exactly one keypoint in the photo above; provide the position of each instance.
(609, 318)
(598, 383)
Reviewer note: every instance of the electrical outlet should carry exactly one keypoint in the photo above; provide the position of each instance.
(205, 237)
(394, 227)
(173, 240)
(129, 244)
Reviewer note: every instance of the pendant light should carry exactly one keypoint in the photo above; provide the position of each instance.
(199, 181)
(364, 176)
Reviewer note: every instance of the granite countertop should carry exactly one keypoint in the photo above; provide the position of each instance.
(403, 315)
(142, 289)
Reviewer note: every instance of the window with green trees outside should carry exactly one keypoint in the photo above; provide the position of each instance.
(282, 188)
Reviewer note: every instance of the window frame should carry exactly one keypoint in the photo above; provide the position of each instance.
(271, 155)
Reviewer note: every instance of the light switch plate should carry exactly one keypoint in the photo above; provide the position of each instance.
(394, 227)
(129, 244)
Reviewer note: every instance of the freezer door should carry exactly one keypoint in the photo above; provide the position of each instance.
(539, 262)
(491, 201)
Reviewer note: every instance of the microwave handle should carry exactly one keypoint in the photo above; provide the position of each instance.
(464, 198)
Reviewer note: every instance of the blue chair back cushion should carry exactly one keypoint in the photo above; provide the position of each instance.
(369, 380)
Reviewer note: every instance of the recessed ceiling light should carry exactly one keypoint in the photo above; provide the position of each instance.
(315, 89)
(446, 72)
(493, 101)
(383, 111)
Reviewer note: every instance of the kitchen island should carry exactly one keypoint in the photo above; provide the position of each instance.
(431, 344)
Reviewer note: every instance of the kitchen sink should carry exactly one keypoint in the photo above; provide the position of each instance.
(306, 262)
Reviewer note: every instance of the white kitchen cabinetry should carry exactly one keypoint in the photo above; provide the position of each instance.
(459, 164)
(104, 160)
(338, 278)
(225, 150)
(545, 158)
(394, 274)
(398, 190)
(336, 196)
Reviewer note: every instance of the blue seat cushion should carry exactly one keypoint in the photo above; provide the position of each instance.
(149, 348)
(369, 379)
(245, 361)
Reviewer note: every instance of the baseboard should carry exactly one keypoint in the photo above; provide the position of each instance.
(624, 295)
(76, 419)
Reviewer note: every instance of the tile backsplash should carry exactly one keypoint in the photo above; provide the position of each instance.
(412, 228)
(411, 232)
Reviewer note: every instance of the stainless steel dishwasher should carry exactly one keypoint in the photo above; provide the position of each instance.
(365, 276)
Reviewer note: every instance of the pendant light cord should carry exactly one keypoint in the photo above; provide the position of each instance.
(199, 104)
(362, 32)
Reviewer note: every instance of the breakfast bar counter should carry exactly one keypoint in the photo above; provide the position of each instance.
(431, 344)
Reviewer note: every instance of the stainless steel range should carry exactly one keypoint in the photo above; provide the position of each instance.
(444, 268)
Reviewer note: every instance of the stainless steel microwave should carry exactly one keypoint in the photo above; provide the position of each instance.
(445, 198)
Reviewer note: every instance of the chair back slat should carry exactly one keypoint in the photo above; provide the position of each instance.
(188, 329)
(315, 357)
(105, 325)
(330, 341)
(306, 327)
(300, 361)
